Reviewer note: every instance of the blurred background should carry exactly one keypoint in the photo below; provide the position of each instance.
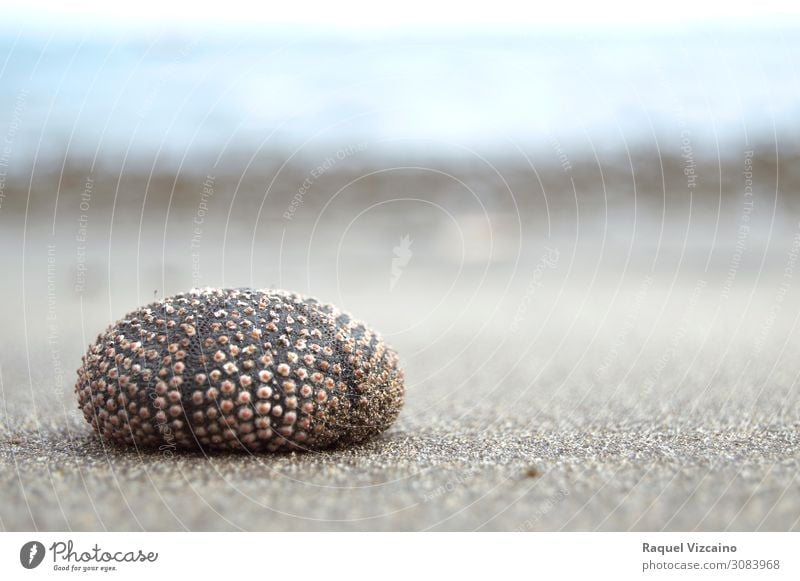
(579, 226)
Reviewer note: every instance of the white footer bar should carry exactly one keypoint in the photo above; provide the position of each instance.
(377, 556)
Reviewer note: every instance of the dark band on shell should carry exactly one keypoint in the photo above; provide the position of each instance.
(239, 369)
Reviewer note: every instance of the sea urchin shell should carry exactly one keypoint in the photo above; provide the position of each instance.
(239, 369)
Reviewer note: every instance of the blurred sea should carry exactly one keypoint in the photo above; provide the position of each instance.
(178, 97)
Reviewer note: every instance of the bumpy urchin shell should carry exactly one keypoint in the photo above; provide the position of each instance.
(239, 368)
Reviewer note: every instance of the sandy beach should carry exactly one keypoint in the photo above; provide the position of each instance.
(588, 346)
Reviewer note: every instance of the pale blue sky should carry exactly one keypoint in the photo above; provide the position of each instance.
(374, 17)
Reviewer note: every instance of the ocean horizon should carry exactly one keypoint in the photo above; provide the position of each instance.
(181, 96)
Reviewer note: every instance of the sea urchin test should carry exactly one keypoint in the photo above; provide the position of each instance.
(239, 369)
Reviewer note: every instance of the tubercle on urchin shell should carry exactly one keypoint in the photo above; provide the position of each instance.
(239, 368)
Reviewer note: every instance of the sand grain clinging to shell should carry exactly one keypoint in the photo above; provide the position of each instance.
(263, 370)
